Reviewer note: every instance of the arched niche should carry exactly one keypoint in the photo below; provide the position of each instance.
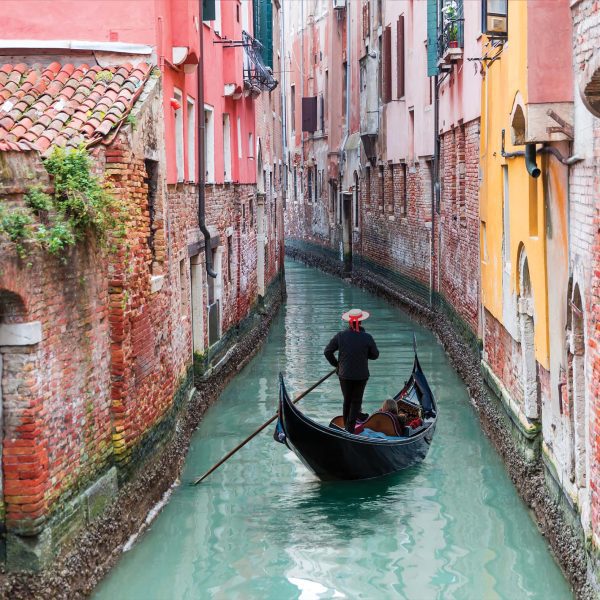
(518, 121)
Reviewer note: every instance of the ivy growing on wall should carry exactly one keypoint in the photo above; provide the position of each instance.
(80, 205)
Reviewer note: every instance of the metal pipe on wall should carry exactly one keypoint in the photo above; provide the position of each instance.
(202, 153)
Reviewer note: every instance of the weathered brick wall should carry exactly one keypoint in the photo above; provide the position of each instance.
(150, 331)
(503, 354)
(395, 229)
(457, 225)
(584, 237)
(56, 393)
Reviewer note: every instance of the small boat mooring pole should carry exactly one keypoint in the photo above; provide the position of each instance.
(257, 431)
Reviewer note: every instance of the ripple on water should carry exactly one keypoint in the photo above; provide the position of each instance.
(263, 527)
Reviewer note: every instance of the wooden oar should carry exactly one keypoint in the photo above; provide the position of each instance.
(240, 445)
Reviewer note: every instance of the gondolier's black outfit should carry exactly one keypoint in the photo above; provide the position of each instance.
(355, 348)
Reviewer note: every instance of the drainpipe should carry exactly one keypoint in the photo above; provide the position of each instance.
(348, 77)
(530, 161)
(202, 153)
(435, 184)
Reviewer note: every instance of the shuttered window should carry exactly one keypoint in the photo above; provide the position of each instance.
(309, 114)
(387, 64)
(263, 28)
(400, 57)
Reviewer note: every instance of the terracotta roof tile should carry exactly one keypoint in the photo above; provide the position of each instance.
(64, 105)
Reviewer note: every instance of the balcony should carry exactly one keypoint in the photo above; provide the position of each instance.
(257, 75)
(451, 34)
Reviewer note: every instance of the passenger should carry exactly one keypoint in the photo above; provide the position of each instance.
(389, 406)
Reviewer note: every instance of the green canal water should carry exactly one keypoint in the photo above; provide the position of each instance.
(263, 527)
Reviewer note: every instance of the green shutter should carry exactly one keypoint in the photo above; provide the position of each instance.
(268, 39)
(432, 38)
(263, 28)
(208, 10)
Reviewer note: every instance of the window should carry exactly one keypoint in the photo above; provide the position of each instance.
(411, 135)
(345, 88)
(226, 147)
(250, 145)
(295, 185)
(251, 211)
(229, 257)
(393, 194)
(381, 187)
(179, 154)
(209, 144)
(182, 286)
(494, 16)
(237, 12)
(244, 218)
(387, 65)
(239, 137)
(326, 98)
(191, 139)
(217, 21)
(368, 190)
(404, 189)
(151, 181)
(356, 200)
(310, 187)
(293, 108)
(321, 113)
(400, 58)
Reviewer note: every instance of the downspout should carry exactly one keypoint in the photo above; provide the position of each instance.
(347, 122)
(435, 184)
(202, 154)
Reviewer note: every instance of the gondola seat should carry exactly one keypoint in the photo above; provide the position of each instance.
(379, 422)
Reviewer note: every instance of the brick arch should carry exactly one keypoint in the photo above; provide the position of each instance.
(589, 85)
(12, 307)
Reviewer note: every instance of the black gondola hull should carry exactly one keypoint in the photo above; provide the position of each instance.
(332, 453)
(336, 455)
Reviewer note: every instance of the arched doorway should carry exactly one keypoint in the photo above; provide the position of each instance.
(529, 379)
(18, 361)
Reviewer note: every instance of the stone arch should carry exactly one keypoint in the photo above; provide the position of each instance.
(518, 121)
(12, 307)
(526, 310)
(576, 386)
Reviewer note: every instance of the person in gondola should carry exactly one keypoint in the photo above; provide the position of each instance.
(389, 406)
(355, 347)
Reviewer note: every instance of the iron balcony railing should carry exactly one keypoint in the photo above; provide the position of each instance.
(451, 31)
(256, 73)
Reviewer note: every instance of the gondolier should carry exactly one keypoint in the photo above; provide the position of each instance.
(355, 348)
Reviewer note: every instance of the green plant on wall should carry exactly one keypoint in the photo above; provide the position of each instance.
(81, 204)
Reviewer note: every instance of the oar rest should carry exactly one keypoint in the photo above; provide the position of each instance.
(383, 423)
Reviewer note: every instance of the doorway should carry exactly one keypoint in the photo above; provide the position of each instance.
(347, 231)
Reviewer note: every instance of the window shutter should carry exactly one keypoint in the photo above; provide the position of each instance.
(387, 64)
(400, 57)
(209, 11)
(309, 114)
(432, 51)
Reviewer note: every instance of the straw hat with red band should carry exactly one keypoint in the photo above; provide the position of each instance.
(356, 314)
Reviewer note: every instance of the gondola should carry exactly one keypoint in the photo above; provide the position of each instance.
(332, 453)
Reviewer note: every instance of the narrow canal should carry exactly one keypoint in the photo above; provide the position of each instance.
(263, 527)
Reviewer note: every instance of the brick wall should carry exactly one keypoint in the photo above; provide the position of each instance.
(395, 231)
(457, 226)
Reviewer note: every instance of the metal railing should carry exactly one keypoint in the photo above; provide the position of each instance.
(451, 32)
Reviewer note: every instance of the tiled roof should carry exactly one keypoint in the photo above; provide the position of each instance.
(65, 105)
